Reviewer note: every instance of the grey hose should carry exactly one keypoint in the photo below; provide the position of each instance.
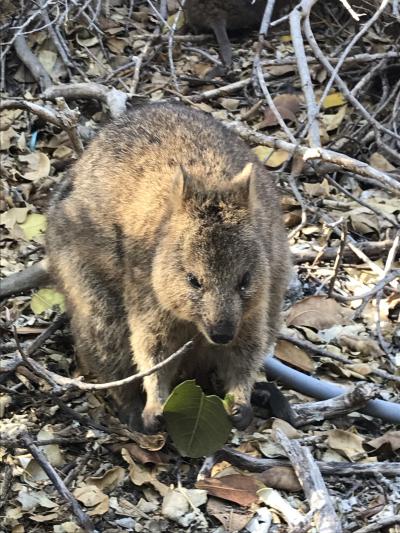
(322, 390)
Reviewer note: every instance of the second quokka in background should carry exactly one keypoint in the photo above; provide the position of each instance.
(169, 228)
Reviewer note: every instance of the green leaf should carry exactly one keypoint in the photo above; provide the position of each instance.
(198, 424)
(34, 226)
(45, 299)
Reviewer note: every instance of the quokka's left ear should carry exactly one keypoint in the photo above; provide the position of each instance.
(244, 184)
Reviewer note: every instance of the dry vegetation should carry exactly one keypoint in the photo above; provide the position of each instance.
(317, 96)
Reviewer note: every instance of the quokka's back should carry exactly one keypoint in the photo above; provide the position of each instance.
(168, 227)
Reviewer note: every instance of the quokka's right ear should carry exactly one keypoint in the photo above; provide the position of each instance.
(182, 186)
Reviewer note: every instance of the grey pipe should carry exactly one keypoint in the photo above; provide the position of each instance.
(323, 390)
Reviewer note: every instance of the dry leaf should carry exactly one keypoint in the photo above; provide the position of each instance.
(364, 346)
(92, 497)
(287, 105)
(139, 454)
(378, 161)
(390, 437)
(346, 442)
(333, 100)
(232, 518)
(109, 480)
(38, 164)
(317, 312)
(236, 488)
(280, 478)
(317, 189)
(288, 352)
(332, 121)
(270, 157)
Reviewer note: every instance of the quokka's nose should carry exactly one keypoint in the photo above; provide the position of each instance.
(222, 334)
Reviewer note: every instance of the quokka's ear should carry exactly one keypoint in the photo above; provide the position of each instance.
(182, 186)
(244, 184)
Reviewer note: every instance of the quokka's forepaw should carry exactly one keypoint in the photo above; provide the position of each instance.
(153, 421)
(241, 415)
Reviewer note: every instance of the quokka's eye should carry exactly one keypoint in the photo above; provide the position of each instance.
(194, 282)
(244, 282)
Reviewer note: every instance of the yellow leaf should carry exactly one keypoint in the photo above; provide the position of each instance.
(334, 100)
(262, 152)
(286, 38)
(46, 299)
(171, 20)
(34, 226)
(270, 157)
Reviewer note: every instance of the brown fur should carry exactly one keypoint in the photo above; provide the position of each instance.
(160, 193)
(223, 15)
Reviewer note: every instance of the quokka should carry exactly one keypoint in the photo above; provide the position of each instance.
(169, 228)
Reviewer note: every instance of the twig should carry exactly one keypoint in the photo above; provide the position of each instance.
(31, 62)
(309, 413)
(67, 119)
(338, 260)
(379, 524)
(171, 34)
(295, 17)
(340, 83)
(257, 464)
(58, 483)
(114, 98)
(60, 382)
(32, 277)
(6, 485)
(310, 478)
(370, 248)
(368, 295)
(221, 91)
(342, 160)
(309, 346)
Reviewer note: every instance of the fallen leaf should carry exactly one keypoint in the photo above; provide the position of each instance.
(280, 478)
(39, 165)
(177, 502)
(364, 346)
(287, 106)
(333, 120)
(390, 437)
(139, 475)
(15, 215)
(45, 299)
(143, 456)
(333, 100)
(270, 157)
(231, 104)
(34, 227)
(92, 497)
(232, 518)
(317, 312)
(346, 442)
(236, 488)
(317, 189)
(109, 480)
(288, 352)
(30, 499)
(378, 161)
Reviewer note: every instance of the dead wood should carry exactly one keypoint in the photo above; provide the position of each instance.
(310, 478)
(309, 413)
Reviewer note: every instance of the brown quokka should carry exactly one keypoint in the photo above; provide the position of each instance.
(223, 15)
(169, 228)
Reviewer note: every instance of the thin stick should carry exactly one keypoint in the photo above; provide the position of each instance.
(60, 382)
(309, 346)
(310, 478)
(58, 483)
(311, 412)
(342, 160)
(295, 18)
(257, 464)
